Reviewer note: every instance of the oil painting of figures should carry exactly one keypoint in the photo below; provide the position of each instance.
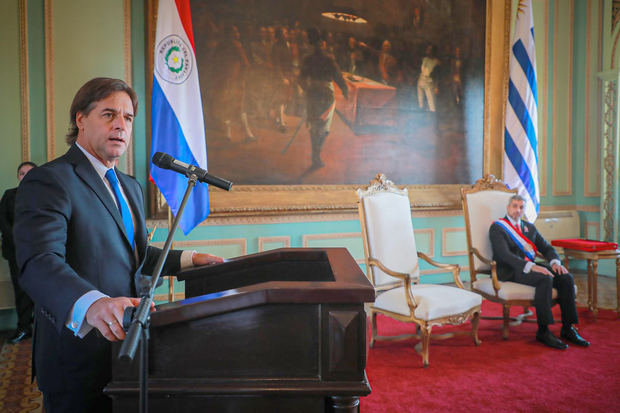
(329, 92)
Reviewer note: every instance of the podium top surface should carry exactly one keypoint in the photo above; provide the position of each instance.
(286, 275)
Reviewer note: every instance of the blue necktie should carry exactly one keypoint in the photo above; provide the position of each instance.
(122, 205)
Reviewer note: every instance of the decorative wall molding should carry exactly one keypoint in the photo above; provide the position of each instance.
(442, 271)
(542, 145)
(587, 191)
(609, 149)
(595, 227)
(49, 80)
(582, 208)
(239, 242)
(444, 236)
(129, 156)
(298, 218)
(165, 297)
(431, 231)
(24, 79)
(556, 117)
(339, 235)
(285, 239)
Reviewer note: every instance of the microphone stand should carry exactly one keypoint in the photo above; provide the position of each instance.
(139, 327)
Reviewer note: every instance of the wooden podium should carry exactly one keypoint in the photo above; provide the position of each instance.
(280, 331)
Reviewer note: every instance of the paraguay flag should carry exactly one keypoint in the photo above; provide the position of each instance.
(521, 133)
(176, 112)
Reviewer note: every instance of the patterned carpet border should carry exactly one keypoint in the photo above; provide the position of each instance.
(17, 393)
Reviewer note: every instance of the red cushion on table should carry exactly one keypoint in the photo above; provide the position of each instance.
(584, 244)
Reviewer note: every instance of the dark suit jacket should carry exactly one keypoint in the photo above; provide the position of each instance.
(70, 239)
(7, 217)
(510, 258)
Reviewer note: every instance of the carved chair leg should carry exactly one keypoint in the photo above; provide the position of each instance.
(474, 328)
(426, 338)
(506, 312)
(526, 310)
(373, 328)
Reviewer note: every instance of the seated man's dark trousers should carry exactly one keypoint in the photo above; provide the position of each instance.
(563, 283)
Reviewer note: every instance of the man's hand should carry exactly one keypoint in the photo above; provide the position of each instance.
(205, 259)
(542, 270)
(559, 269)
(106, 315)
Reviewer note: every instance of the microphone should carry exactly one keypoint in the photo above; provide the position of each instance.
(165, 161)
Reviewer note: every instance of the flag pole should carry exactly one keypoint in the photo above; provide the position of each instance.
(170, 277)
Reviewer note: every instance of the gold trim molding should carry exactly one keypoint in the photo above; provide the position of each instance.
(431, 247)
(338, 235)
(556, 117)
(127, 52)
(280, 200)
(544, 97)
(597, 229)
(285, 239)
(239, 242)
(24, 79)
(444, 236)
(49, 80)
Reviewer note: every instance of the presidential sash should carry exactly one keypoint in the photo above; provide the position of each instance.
(527, 246)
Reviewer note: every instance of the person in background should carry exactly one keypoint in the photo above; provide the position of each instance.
(23, 303)
(318, 71)
(427, 86)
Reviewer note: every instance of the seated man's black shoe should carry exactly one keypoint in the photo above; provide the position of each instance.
(548, 339)
(570, 334)
(19, 336)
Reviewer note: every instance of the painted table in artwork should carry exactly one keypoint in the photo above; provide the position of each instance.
(370, 103)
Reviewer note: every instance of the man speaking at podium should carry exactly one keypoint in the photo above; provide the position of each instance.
(82, 246)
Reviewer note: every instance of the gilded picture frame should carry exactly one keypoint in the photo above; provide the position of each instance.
(257, 200)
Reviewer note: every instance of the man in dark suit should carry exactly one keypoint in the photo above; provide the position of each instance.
(82, 249)
(514, 244)
(23, 303)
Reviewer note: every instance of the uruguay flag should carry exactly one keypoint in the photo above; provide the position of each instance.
(176, 111)
(521, 132)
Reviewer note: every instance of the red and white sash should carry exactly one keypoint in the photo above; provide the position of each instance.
(527, 246)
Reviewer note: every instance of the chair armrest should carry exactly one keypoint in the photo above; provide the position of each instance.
(496, 285)
(406, 280)
(401, 275)
(455, 268)
(493, 265)
(481, 257)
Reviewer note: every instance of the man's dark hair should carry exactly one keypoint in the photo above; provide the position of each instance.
(92, 92)
(34, 165)
(515, 197)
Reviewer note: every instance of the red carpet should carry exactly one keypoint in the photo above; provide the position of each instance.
(517, 375)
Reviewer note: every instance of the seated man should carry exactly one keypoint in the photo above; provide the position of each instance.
(515, 243)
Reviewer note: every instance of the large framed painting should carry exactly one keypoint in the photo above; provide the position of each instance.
(306, 100)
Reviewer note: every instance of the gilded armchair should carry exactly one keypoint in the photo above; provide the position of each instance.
(393, 268)
(484, 203)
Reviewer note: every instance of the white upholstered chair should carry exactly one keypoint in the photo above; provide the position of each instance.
(392, 267)
(483, 204)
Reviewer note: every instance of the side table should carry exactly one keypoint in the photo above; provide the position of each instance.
(592, 258)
